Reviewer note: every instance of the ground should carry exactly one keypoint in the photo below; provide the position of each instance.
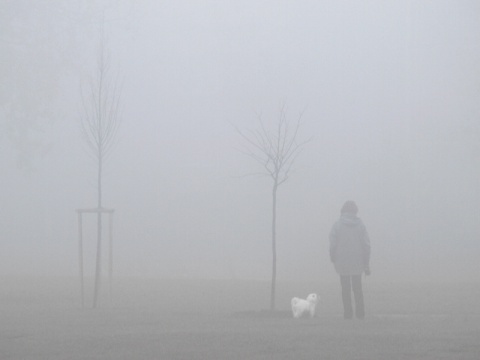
(157, 319)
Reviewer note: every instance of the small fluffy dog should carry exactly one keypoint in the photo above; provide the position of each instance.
(302, 307)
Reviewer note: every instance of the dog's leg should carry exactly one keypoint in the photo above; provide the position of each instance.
(297, 313)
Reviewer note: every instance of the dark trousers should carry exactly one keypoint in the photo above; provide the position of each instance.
(354, 283)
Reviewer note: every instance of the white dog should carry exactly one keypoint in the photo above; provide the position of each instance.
(301, 307)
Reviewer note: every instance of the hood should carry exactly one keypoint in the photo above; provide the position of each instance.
(350, 219)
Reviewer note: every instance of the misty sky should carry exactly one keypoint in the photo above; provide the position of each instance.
(390, 93)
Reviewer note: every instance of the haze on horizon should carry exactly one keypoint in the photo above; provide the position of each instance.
(390, 92)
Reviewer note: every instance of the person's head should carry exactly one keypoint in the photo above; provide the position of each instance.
(349, 208)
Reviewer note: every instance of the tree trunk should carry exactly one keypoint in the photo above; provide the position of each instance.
(80, 256)
(110, 256)
(274, 246)
(98, 266)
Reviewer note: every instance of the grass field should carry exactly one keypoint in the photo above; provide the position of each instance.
(159, 319)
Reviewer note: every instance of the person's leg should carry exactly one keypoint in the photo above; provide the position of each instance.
(358, 294)
(347, 296)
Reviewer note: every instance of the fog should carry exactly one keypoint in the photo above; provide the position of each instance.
(390, 98)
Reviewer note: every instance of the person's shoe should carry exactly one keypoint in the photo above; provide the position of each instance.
(360, 315)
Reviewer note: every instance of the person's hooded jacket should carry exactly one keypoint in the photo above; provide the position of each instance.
(349, 245)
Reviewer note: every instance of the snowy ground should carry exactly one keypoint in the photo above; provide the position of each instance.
(157, 319)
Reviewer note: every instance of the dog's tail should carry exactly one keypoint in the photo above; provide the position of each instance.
(294, 301)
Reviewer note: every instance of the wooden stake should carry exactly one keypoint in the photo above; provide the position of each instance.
(80, 256)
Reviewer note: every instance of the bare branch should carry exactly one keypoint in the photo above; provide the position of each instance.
(276, 151)
(101, 110)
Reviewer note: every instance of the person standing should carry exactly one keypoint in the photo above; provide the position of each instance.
(350, 254)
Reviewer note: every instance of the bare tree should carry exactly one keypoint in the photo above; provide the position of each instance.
(276, 151)
(100, 122)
